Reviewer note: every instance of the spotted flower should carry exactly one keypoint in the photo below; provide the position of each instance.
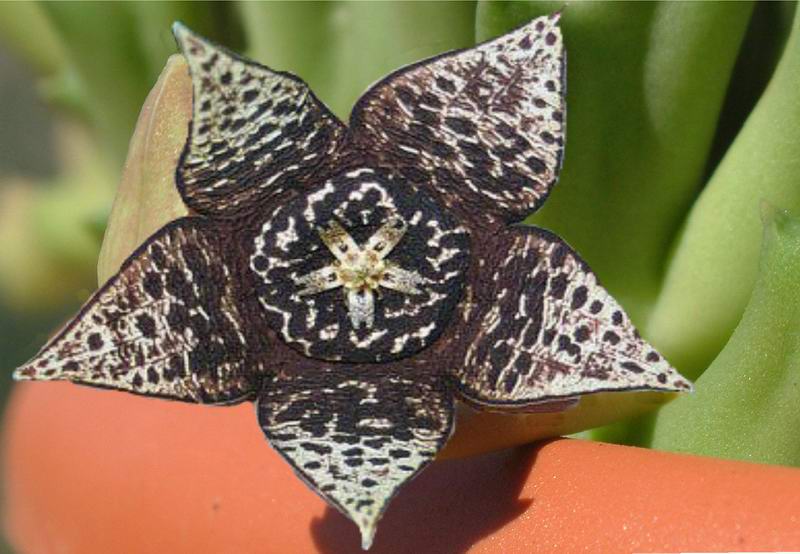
(355, 281)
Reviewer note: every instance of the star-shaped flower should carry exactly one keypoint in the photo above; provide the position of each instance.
(356, 280)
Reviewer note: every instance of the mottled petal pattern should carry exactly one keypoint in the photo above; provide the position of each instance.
(355, 435)
(254, 132)
(484, 127)
(168, 324)
(357, 281)
(538, 326)
(420, 281)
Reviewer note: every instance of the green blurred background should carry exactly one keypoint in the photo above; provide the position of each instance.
(682, 118)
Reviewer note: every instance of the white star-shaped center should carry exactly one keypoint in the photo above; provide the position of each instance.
(361, 270)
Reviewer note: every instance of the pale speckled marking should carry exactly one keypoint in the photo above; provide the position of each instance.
(168, 325)
(255, 132)
(485, 125)
(361, 308)
(357, 436)
(424, 282)
(546, 329)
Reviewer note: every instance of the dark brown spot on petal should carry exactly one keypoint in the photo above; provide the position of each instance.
(95, 341)
(632, 367)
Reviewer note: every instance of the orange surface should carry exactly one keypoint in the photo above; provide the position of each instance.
(93, 471)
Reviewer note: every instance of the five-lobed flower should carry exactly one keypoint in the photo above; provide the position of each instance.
(356, 280)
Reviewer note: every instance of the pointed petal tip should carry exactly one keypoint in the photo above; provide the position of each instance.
(549, 20)
(179, 30)
(23, 373)
(29, 372)
(184, 37)
(677, 385)
(544, 24)
(663, 377)
(367, 534)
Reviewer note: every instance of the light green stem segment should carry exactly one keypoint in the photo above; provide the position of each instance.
(715, 263)
(746, 404)
(340, 48)
(646, 82)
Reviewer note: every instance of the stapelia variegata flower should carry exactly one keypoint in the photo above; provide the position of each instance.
(356, 280)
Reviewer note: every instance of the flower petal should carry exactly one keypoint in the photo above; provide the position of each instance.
(355, 435)
(539, 327)
(484, 126)
(254, 133)
(168, 324)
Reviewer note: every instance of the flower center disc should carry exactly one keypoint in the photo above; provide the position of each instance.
(360, 270)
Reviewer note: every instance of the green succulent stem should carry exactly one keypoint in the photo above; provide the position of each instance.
(340, 48)
(715, 262)
(646, 82)
(745, 406)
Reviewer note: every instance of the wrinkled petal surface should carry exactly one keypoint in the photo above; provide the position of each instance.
(356, 435)
(484, 127)
(540, 327)
(168, 324)
(254, 133)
